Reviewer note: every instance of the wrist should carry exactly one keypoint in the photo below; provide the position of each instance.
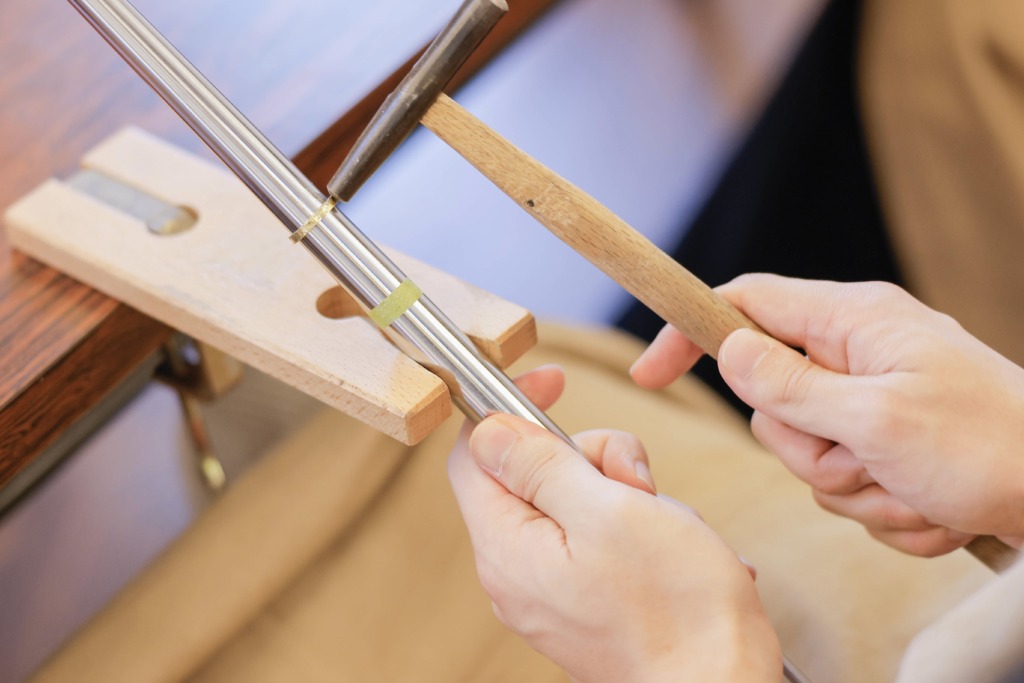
(744, 651)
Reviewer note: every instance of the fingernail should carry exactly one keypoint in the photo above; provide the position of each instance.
(491, 443)
(960, 538)
(742, 351)
(643, 472)
(543, 368)
(550, 366)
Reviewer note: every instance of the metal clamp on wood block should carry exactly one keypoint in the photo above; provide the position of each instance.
(230, 281)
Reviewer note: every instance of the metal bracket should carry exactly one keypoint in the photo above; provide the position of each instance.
(196, 371)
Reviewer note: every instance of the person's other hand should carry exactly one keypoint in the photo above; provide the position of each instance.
(592, 570)
(896, 417)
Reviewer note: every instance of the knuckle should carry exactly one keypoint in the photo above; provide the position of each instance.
(890, 416)
(930, 547)
(897, 541)
(947, 322)
(735, 288)
(930, 543)
(625, 443)
(537, 469)
(838, 472)
(879, 293)
(796, 384)
(896, 515)
(746, 280)
(829, 487)
(621, 506)
(833, 483)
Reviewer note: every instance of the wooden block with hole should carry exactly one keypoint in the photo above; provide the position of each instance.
(234, 281)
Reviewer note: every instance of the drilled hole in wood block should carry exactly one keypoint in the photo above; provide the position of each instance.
(160, 217)
(336, 303)
(172, 220)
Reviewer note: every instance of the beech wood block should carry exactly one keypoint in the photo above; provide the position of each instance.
(236, 282)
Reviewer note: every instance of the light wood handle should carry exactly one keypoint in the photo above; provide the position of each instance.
(604, 239)
(992, 552)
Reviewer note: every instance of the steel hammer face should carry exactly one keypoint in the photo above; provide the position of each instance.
(404, 108)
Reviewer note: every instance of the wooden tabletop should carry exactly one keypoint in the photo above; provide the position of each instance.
(308, 73)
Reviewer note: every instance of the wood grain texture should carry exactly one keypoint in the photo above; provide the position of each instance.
(62, 90)
(993, 553)
(236, 282)
(586, 225)
(28, 287)
(69, 388)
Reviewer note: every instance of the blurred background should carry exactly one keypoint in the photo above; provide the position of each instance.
(640, 103)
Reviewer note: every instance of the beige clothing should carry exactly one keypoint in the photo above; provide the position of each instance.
(942, 84)
(342, 557)
(982, 639)
(943, 98)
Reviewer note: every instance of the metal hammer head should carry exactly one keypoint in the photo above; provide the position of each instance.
(404, 108)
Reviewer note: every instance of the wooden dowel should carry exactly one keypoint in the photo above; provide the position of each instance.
(604, 239)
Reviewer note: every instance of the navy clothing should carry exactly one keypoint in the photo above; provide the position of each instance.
(798, 198)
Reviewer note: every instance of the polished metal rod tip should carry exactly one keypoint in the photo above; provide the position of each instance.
(404, 108)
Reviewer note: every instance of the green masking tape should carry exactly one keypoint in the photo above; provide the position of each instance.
(396, 303)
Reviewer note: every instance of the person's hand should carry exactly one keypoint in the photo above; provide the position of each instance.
(580, 558)
(896, 417)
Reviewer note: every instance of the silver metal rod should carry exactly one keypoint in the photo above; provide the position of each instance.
(477, 386)
(791, 673)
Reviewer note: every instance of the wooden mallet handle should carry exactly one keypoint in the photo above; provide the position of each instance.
(992, 552)
(586, 225)
(604, 239)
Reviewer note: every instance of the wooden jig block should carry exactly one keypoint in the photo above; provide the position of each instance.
(234, 281)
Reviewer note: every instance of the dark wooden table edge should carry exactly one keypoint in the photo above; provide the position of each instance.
(66, 403)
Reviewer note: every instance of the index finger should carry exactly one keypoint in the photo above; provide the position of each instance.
(670, 356)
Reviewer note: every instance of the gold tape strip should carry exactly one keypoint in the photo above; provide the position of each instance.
(396, 303)
(314, 220)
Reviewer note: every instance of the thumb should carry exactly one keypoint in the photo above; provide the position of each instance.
(535, 465)
(781, 383)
